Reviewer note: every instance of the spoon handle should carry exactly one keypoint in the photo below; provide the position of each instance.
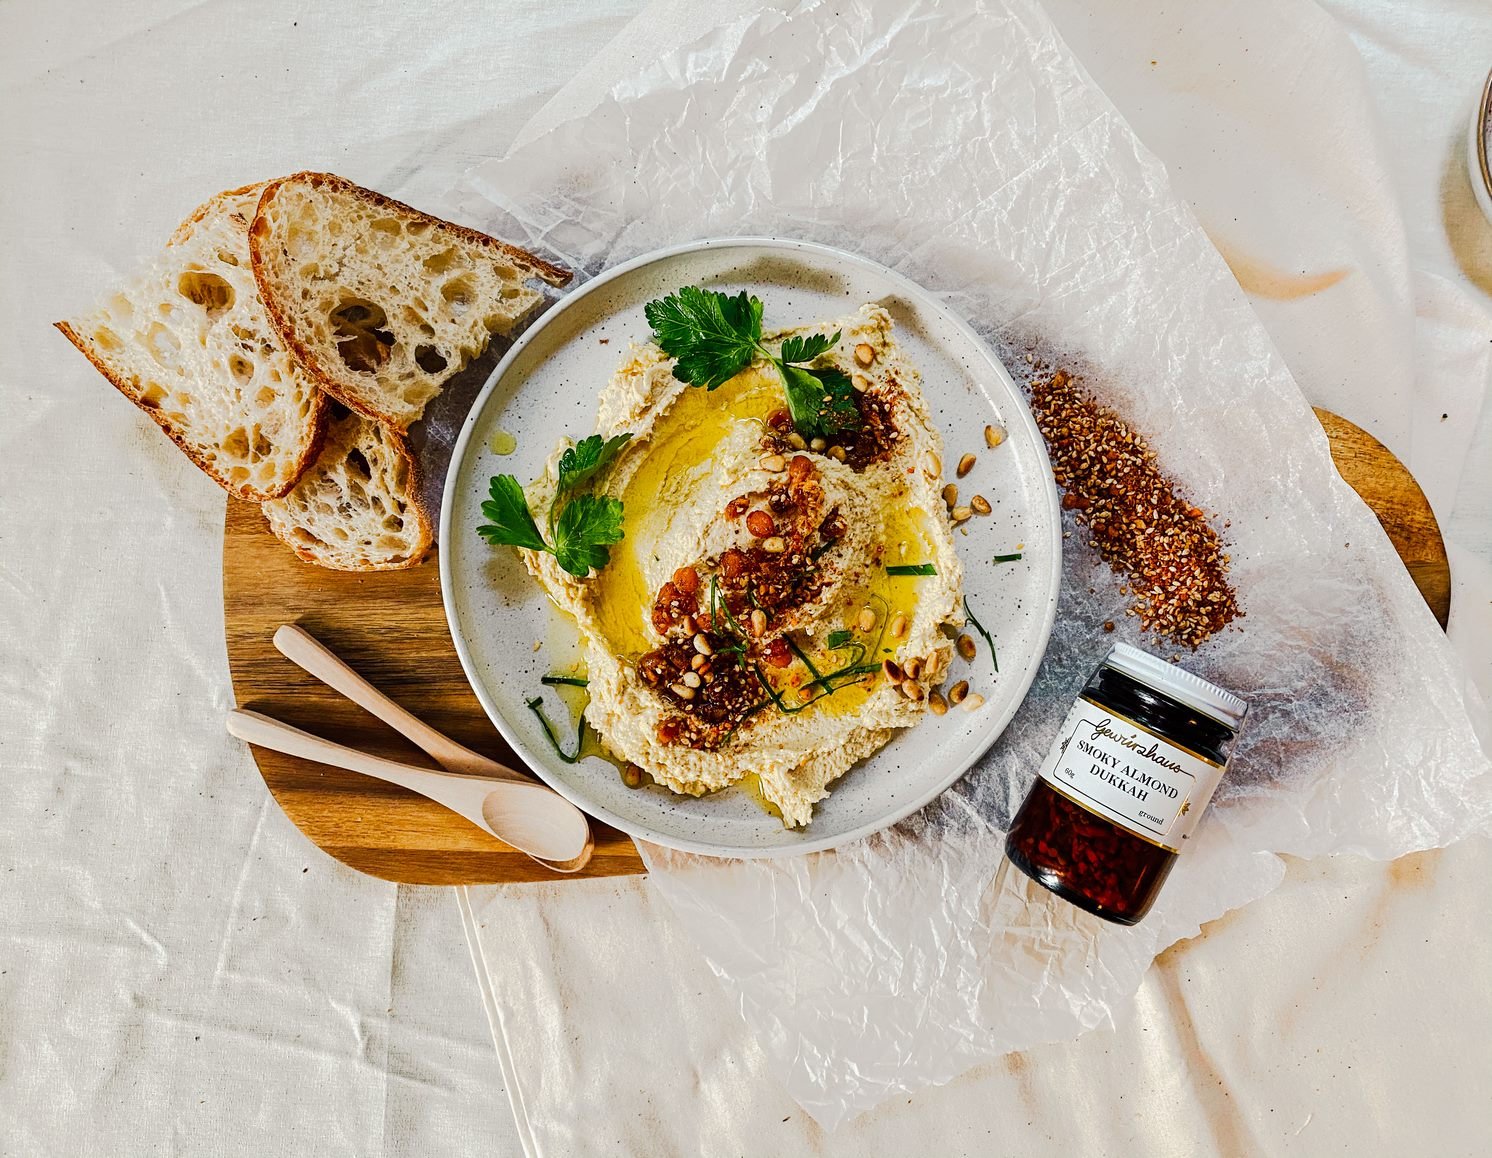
(303, 649)
(536, 821)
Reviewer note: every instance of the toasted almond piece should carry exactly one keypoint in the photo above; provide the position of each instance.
(980, 504)
(891, 670)
(966, 647)
(993, 436)
(972, 702)
(698, 662)
(773, 463)
(865, 354)
(689, 625)
(937, 703)
(950, 495)
(965, 465)
(898, 625)
(958, 691)
(867, 619)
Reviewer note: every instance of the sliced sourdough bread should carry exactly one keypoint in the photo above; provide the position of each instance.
(380, 302)
(356, 508)
(189, 342)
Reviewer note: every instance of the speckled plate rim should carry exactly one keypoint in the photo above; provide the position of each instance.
(902, 809)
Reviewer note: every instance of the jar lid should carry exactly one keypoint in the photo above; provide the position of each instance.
(1180, 684)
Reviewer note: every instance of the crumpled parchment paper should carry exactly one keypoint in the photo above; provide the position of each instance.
(969, 150)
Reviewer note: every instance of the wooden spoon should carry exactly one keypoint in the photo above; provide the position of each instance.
(304, 650)
(530, 817)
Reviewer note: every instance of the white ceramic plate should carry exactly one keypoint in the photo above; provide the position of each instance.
(546, 388)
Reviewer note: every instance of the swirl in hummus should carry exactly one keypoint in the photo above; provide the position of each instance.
(741, 625)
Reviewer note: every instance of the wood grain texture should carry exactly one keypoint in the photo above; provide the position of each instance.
(391, 627)
(1385, 484)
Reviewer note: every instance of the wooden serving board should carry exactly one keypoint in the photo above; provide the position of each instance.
(391, 627)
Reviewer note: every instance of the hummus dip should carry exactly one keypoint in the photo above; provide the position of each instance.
(740, 630)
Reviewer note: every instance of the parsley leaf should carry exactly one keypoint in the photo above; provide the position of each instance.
(581, 462)
(512, 525)
(807, 348)
(586, 526)
(822, 402)
(713, 336)
(581, 526)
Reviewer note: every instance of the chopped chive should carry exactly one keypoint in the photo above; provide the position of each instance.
(979, 627)
(915, 569)
(552, 681)
(1008, 558)
(536, 705)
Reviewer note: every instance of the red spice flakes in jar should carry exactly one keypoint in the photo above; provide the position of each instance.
(1136, 518)
(1125, 784)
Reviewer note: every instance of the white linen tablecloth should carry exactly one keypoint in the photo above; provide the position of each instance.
(181, 972)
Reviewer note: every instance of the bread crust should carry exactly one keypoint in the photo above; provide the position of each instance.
(259, 239)
(130, 388)
(414, 479)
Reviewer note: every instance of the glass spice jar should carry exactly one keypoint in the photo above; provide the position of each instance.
(1125, 784)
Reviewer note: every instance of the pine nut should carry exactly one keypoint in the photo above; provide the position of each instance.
(632, 776)
(837, 453)
(891, 670)
(898, 626)
(773, 463)
(691, 679)
(980, 504)
(860, 382)
(960, 514)
(993, 436)
(795, 440)
(934, 464)
(865, 353)
(774, 544)
(689, 625)
(684, 693)
(950, 495)
(698, 662)
(817, 444)
(912, 690)
(972, 702)
(912, 668)
(702, 645)
(758, 622)
(867, 619)
(965, 465)
(966, 648)
(937, 703)
(958, 691)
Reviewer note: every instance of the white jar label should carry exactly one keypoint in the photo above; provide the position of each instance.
(1112, 766)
